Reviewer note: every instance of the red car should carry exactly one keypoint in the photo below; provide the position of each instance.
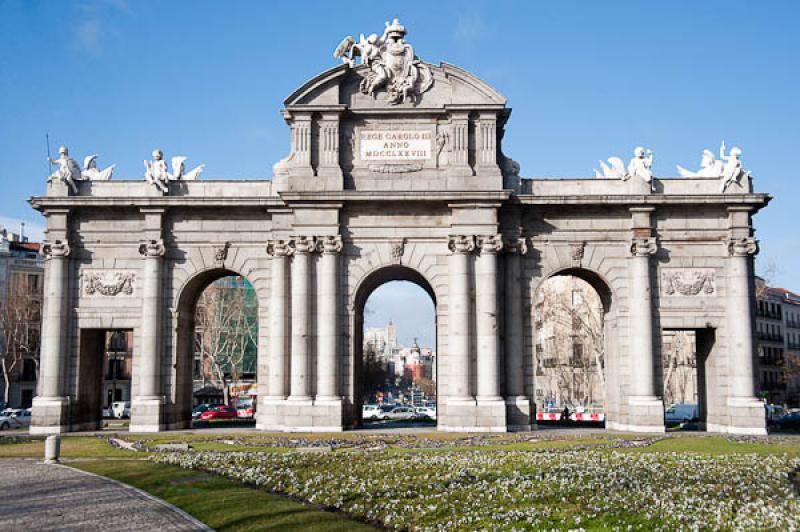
(218, 412)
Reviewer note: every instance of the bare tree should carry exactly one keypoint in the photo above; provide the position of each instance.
(226, 321)
(20, 326)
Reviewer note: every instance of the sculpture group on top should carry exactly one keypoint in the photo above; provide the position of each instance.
(69, 172)
(391, 64)
(156, 171)
(728, 167)
(640, 167)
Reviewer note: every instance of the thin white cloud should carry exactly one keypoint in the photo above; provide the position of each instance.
(469, 27)
(95, 23)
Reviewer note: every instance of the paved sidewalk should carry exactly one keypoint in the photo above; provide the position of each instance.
(55, 497)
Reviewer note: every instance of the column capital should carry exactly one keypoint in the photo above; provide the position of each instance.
(515, 245)
(461, 244)
(56, 248)
(279, 248)
(302, 244)
(490, 244)
(330, 244)
(742, 247)
(152, 248)
(643, 246)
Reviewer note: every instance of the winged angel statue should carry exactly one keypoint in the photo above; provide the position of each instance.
(70, 173)
(391, 64)
(728, 167)
(641, 166)
(156, 171)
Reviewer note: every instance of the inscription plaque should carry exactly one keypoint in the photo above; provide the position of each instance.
(395, 145)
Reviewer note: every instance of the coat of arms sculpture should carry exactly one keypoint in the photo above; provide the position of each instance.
(391, 64)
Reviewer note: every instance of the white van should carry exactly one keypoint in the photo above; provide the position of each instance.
(121, 409)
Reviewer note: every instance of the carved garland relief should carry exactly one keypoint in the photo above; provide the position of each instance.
(687, 281)
(108, 283)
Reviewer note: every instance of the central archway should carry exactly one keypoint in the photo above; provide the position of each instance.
(366, 288)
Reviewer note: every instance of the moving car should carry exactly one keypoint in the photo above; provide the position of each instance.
(199, 409)
(218, 412)
(370, 412)
(681, 413)
(399, 412)
(426, 412)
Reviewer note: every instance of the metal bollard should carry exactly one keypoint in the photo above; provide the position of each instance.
(52, 449)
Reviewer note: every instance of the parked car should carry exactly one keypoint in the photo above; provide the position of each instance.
(399, 412)
(121, 409)
(15, 418)
(7, 420)
(23, 417)
(370, 412)
(199, 409)
(107, 412)
(425, 412)
(681, 413)
(789, 421)
(218, 412)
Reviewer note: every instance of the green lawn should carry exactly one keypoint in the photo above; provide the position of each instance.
(220, 503)
(71, 447)
(435, 481)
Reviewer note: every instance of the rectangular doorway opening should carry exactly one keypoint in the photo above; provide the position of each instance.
(684, 357)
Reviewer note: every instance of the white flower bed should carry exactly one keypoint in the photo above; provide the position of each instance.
(514, 490)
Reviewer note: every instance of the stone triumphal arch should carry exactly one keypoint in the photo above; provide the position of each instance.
(396, 170)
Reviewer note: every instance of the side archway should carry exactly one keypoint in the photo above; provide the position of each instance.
(186, 338)
(575, 346)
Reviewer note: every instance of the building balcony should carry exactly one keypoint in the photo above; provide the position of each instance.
(767, 337)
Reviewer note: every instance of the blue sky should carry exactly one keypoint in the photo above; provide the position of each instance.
(586, 80)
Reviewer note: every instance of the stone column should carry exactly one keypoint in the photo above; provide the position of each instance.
(278, 333)
(740, 317)
(642, 361)
(458, 322)
(327, 321)
(486, 322)
(514, 341)
(50, 407)
(54, 323)
(146, 406)
(300, 366)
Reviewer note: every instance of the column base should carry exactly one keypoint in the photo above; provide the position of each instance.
(50, 415)
(745, 415)
(324, 414)
(518, 413)
(469, 415)
(147, 414)
(632, 427)
(645, 414)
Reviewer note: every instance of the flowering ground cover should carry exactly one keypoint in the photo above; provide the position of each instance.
(615, 484)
